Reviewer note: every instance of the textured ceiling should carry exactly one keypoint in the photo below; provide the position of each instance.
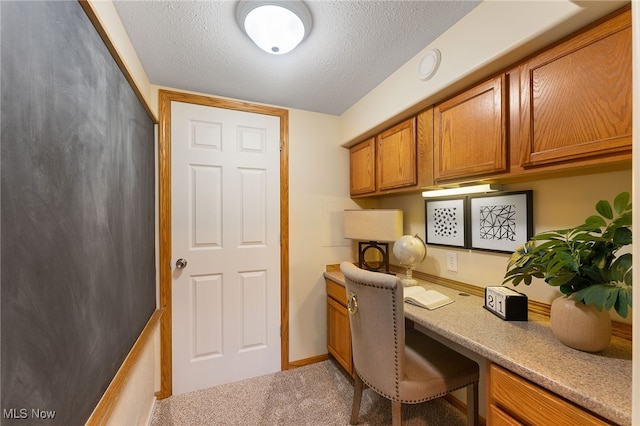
(353, 46)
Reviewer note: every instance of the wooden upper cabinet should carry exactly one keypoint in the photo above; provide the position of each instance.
(396, 154)
(362, 167)
(399, 159)
(470, 132)
(576, 97)
(568, 107)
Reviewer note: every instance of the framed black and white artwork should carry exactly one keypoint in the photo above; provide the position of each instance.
(501, 221)
(445, 221)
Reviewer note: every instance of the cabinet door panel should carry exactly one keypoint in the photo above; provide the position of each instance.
(339, 334)
(470, 132)
(576, 97)
(362, 170)
(396, 151)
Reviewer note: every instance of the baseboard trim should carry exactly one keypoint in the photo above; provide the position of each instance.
(153, 410)
(308, 361)
(111, 396)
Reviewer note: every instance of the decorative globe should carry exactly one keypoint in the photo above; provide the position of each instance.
(410, 251)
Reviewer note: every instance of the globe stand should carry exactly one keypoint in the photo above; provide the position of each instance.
(409, 281)
(410, 251)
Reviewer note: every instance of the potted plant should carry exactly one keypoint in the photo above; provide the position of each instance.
(583, 263)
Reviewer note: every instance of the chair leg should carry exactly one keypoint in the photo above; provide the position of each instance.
(357, 397)
(472, 405)
(396, 413)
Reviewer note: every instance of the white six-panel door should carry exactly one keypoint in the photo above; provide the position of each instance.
(226, 226)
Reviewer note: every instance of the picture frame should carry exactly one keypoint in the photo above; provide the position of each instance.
(445, 221)
(500, 222)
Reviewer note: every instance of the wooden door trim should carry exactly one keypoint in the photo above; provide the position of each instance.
(164, 201)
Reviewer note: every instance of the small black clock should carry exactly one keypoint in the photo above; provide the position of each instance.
(506, 303)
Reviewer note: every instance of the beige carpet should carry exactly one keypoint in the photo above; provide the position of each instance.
(317, 394)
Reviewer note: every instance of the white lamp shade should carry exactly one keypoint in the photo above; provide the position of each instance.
(373, 224)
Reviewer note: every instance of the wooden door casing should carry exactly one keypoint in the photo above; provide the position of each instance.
(164, 217)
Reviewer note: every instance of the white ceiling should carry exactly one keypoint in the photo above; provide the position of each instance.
(353, 46)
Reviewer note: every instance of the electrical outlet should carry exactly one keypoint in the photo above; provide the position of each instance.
(452, 261)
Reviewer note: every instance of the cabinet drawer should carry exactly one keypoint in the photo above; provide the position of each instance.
(497, 417)
(531, 404)
(337, 292)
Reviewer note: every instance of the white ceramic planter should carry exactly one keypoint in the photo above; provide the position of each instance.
(580, 326)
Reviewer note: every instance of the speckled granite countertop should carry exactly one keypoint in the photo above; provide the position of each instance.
(598, 382)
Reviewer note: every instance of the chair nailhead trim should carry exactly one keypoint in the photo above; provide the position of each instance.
(395, 338)
(397, 358)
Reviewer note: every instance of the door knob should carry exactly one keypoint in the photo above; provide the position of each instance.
(181, 263)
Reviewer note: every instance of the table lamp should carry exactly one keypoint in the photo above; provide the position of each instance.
(374, 228)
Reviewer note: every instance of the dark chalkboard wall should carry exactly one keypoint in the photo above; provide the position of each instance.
(77, 214)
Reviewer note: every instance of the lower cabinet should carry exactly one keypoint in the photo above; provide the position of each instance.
(338, 329)
(513, 400)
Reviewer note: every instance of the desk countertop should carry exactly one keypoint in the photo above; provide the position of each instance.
(599, 382)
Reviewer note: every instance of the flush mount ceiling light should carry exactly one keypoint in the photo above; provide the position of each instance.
(276, 27)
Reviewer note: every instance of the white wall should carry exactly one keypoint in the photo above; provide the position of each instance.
(318, 193)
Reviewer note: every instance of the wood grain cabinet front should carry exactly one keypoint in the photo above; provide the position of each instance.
(362, 167)
(575, 98)
(565, 109)
(397, 160)
(338, 328)
(397, 156)
(470, 133)
(513, 400)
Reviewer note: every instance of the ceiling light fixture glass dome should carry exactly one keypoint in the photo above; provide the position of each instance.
(276, 27)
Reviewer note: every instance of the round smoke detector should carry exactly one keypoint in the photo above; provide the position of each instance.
(429, 64)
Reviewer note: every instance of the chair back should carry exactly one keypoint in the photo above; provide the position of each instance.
(376, 316)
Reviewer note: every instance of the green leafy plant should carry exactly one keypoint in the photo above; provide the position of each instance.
(582, 260)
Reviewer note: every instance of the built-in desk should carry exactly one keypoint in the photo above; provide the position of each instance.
(600, 382)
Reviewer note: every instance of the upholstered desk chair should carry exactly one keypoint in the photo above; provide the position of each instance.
(404, 366)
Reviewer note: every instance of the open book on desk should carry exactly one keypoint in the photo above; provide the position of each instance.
(430, 299)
